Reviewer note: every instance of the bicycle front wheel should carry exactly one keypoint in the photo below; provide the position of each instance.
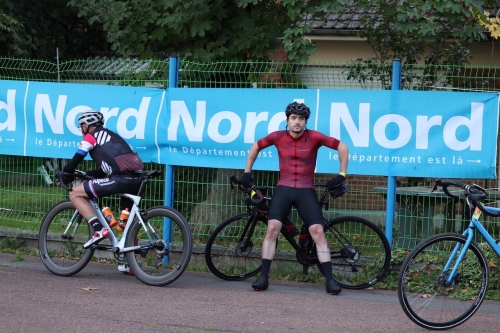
(230, 253)
(61, 237)
(426, 295)
(166, 252)
(360, 252)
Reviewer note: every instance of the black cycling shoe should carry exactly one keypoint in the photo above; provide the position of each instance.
(333, 287)
(260, 284)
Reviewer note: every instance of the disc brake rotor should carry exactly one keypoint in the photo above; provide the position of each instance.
(352, 252)
(242, 251)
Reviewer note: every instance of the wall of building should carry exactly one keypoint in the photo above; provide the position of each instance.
(344, 49)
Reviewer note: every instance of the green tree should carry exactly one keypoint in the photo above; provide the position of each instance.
(206, 30)
(35, 28)
(197, 29)
(9, 33)
(417, 31)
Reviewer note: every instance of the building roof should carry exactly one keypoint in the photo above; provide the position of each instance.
(347, 22)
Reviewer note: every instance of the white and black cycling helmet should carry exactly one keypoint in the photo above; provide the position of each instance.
(91, 117)
(298, 108)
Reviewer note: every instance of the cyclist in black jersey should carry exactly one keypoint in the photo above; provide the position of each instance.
(297, 150)
(115, 160)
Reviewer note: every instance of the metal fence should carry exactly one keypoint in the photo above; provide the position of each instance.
(204, 195)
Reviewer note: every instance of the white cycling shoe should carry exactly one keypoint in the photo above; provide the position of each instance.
(125, 269)
(97, 237)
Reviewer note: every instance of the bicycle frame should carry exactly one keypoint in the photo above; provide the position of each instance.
(117, 245)
(469, 234)
(255, 213)
(252, 222)
(253, 219)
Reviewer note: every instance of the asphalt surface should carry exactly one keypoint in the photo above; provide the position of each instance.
(100, 298)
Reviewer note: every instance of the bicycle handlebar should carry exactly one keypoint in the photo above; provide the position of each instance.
(256, 189)
(475, 193)
(340, 190)
(74, 175)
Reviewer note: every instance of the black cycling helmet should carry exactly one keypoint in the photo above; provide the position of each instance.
(90, 117)
(298, 108)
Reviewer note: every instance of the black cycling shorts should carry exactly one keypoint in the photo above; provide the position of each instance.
(102, 187)
(304, 200)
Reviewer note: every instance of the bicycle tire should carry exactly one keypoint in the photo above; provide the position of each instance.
(368, 248)
(63, 256)
(425, 299)
(160, 266)
(224, 254)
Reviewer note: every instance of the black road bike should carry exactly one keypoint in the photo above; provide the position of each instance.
(360, 252)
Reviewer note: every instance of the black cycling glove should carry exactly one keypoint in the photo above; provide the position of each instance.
(334, 182)
(64, 179)
(247, 180)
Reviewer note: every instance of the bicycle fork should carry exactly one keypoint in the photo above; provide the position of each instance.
(78, 217)
(248, 231)
(463, 250)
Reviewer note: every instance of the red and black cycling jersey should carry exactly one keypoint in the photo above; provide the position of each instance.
(108, 150)
(297, 156)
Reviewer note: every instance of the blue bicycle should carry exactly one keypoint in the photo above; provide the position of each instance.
(444, 279)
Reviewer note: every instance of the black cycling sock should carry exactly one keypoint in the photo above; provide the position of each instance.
(327, 269)
(94, 222)
(266, 266)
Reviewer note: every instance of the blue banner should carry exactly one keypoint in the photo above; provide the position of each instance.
(414, 133)
(397, 133)
(392, 133)
(40, 119)
(217, 127)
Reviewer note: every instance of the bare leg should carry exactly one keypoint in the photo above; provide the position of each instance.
(79, 198)
(324, 257)
(269, 244)
(318, 235)
(268, 252)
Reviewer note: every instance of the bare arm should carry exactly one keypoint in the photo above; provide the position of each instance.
(343, 151)
(252, 156)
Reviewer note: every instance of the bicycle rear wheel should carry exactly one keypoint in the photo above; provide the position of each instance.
(166, 253)
(229, 254)
(360, 252)
(423, 293)
(63, 253)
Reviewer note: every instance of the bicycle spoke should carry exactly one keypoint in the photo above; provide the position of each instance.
(360, 252)
(424, 293)
(61, 253)
(230, 252)
(167, 246)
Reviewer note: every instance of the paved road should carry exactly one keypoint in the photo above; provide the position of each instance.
(102, 299)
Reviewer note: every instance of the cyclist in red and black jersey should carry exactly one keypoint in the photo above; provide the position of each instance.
(297, 150)
(116, 162)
